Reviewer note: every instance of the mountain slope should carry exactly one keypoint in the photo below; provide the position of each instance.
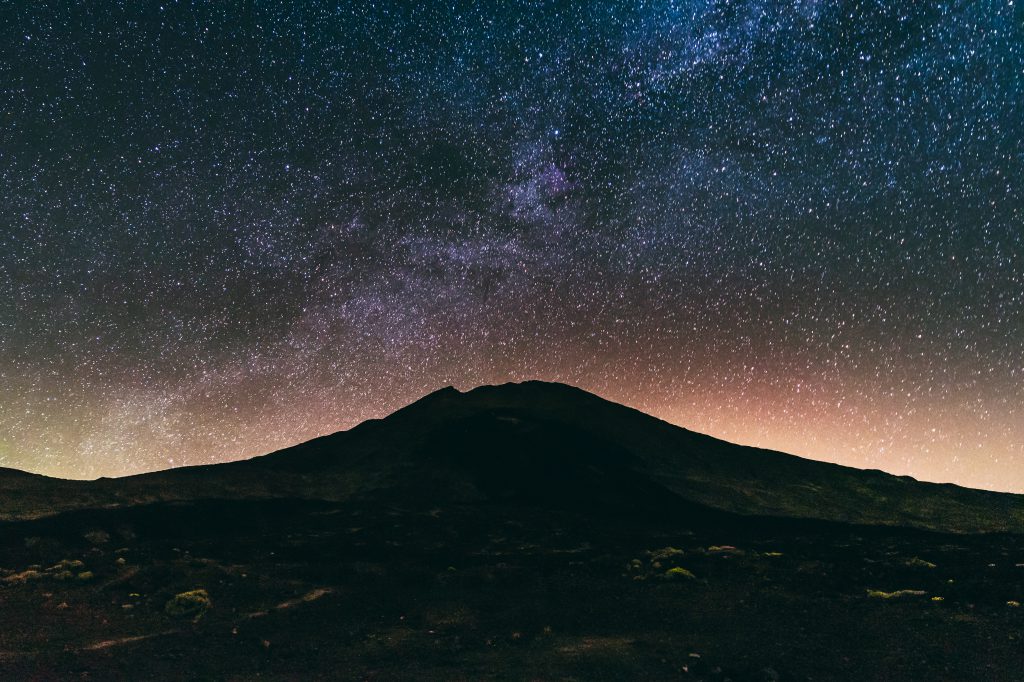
(544, 444)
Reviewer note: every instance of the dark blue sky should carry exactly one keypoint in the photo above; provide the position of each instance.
(229, 226)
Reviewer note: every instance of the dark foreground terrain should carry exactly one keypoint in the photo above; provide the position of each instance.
(519, 532)
(303, 590)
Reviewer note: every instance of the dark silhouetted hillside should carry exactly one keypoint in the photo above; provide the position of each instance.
(542, 444)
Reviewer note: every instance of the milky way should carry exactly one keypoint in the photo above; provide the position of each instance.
(229, 227)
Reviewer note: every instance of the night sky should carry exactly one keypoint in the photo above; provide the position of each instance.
(230, 227)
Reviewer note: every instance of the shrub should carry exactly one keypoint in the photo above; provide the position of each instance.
(97, 537)
(24, 576)
(665, 553)
(192, 603)
(727, 550)
(879, 594)
(917, 562)
(678, 573)
(67, 564)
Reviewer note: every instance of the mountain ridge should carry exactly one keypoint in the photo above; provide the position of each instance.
(542, 443)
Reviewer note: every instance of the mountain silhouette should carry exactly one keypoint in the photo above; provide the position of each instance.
(541, 444)
(523, 531)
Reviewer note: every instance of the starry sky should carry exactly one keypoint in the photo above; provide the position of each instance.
(228, 227)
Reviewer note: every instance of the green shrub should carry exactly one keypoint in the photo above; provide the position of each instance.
(678, 573)
(192, 603)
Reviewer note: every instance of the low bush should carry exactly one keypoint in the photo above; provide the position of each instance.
(23, 576)
(192, 603)
(879, 594)
(678, 573)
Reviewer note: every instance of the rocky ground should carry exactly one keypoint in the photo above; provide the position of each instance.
(302, 590)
